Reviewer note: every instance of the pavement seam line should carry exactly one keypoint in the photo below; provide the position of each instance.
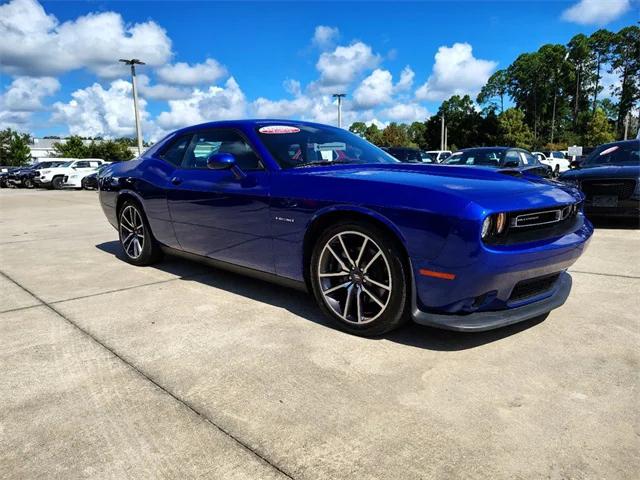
(604, 274)
(18, 309)
(168, 392)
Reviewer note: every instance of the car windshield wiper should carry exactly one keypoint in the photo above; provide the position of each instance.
(323, 162)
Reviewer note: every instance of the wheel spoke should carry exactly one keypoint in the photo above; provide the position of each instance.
(337, 274)
(375, 257)
(359, 304)
(364, 244)
(337, 287)
(377, 284)
(335, 255)
(373, 297)
(137, 248)
(128, 239)
(346, 252)
(347, 302)
(125, 227)
(125, 219)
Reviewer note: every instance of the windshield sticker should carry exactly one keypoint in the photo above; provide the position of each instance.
(279, 129)
(609, 150)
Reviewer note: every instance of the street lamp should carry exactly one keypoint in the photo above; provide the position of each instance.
(133, 62)
(339, 96)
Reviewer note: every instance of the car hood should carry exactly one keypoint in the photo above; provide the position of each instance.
(486, 187)
(607, 171)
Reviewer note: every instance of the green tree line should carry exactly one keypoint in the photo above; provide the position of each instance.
(553, 97)
(109, 150)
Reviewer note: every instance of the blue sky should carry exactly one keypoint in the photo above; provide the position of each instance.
(213, 60)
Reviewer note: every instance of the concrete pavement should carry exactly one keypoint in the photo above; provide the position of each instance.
(183, 371)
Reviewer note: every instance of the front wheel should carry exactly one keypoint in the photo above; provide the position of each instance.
(28, 183)
(359, 279)
(136, 240)
(56, 183)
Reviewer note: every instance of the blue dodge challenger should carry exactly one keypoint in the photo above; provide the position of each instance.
(376, 241)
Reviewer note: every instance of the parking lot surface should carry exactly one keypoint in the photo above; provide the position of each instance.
(181, 371)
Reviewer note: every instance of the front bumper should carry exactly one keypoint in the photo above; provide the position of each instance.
(488, 320)
(72, 182)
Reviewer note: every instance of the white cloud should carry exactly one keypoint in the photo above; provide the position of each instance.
(215, 103)
(199, 74)
(25, 94)
(96, 111)
(455, 72)
(23, 97)
(596, 12)
(374, 90)
(37, 44)
(406, 79)
(293, 87)
(342, 66)
(160, 91)
(325, 36)
(405, 112)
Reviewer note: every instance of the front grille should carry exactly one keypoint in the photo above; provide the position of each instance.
(533, 286)
(622, 188)
(532, 225)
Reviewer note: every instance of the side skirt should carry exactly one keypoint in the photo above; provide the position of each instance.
(231, 267)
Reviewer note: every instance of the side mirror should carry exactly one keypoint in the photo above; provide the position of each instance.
(225, 161)
(221, 161)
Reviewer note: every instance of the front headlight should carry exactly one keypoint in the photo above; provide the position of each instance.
(44, 172)
(494, 225)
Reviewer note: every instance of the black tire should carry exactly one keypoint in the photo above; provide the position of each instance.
(556, 171)
(358, 314)
(83, 184)
(131, 219)
(28, 183)
(56, 183)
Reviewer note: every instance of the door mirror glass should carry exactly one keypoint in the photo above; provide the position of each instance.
(221, 161)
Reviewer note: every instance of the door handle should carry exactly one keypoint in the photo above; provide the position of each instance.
(176, 180)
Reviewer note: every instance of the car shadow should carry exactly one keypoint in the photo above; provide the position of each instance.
(302, 304)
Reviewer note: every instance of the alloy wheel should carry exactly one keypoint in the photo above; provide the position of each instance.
(132, 234)
(354, 277)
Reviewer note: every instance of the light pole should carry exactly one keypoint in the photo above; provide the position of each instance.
(442, 134)
(339, 96)
(133, 62)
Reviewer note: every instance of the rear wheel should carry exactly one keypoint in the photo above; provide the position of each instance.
(136, 240)
(359, 279)
(28, 183)
(83, 184)
(56, 183)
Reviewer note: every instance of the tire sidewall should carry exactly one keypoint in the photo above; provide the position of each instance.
(150, 250)
(394, 314)
(56, 183)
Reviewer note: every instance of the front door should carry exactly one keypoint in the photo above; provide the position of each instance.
(216, 214)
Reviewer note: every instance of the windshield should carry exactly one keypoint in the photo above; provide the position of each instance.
(485, 158)
(306, 145)
(621, 154)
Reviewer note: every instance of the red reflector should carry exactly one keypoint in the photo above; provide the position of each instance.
(431, 273)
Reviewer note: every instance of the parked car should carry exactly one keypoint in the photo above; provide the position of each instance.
(4, 176)
(556, 160)
(374, 239)
(405, 154)
(54, 177)
(610, 180)
(23, 177)
(90, 182)
(76, 179)
(504, 158)
(439, 156)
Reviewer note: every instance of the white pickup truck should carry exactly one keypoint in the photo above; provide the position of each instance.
(556, 160)
(74, 170)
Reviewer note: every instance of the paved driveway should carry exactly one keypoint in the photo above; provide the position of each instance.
(180, 371)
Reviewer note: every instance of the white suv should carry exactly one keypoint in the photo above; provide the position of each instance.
(55, 177)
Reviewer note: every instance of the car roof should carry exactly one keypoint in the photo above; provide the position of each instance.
(488, 148)
(250, 123)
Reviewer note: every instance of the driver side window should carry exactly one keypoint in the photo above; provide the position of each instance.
(207, 143)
